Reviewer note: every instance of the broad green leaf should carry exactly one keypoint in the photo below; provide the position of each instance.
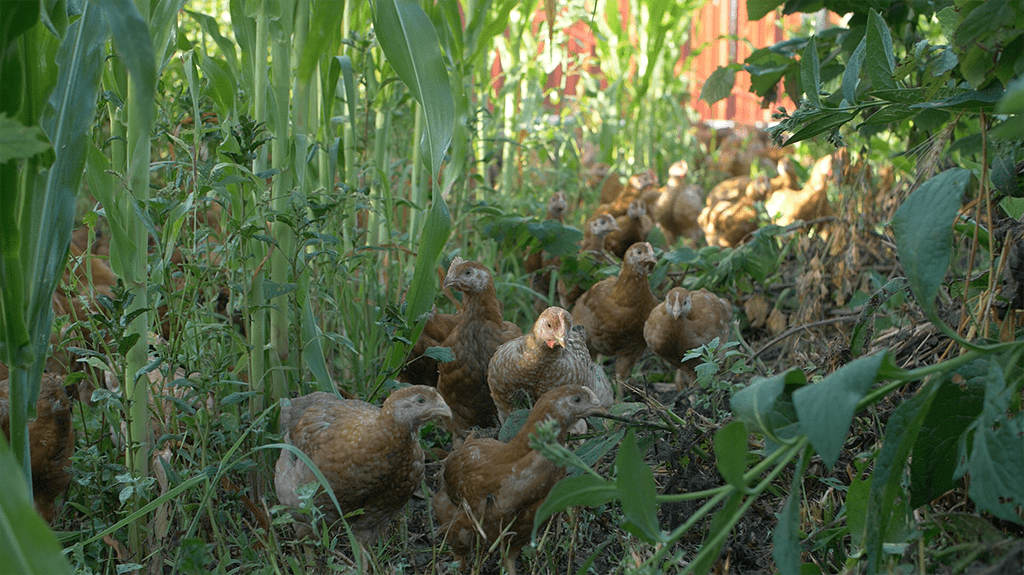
(826, 408)
(587, 490)
(324, 24)
(766, 405)
(420, 297)
(635, 483)
(349, 86)
(211, 27)
(851, 75)
(810, 74)
(1003, 175)
(955, 406)
(312, 348)
(857, 508)
(887, 480)
(720, 521)
(786, 536)
(982, 100)
(272, 290)
(27, 544)
(1012, 101)
(889, 114)
(757, 9)
(731, 453)
(18, 141)
(513, 423)
(878, 57)
(220, 84)
(410, 44)
(923, 226)
(719, 84)
(997, 456)
(825, 121)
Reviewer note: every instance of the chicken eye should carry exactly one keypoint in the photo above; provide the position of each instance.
(577, 399)
(420, 399)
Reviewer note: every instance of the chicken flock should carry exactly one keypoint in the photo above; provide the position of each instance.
(489, 491)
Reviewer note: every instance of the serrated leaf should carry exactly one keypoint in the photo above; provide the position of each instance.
(730, 444)
(810, 73)
(826, 408)
(441, 354)
(878, 57)
(923, 229)
(719, 84)
(635, 483)
(851, 75)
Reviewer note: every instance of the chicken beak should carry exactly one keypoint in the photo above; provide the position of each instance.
(442, 410)
(559, 340)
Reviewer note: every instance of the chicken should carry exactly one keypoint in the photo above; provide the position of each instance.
(636, 187)
(550, 355)
(420, 368)
(51, 442)
(678, 207)
(684, 321)
(614, 310)
(729, 215)
(463, 382)
(786, 206)
(370, 456)
(592, 247)
(600, 176)
(491, 490)
(633, 228)
(595, 231)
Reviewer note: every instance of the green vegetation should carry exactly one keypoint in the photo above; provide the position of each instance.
(280, 192)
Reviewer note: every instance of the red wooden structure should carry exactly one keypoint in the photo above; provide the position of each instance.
(720, 34)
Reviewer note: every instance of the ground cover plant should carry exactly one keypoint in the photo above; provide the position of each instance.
(277, 187)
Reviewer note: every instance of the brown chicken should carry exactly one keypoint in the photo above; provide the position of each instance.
(637, 187)
(786, 206)
(370, 456)
(51, 442)
(684, 321)
(678, 208)
(463, 382)
(633, 227)
(601, 177)
(592, 247)
(729, 215)
(491, 490)
(550, 355)
(614, 311)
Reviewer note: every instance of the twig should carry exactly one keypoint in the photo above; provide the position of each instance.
(797, 328)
